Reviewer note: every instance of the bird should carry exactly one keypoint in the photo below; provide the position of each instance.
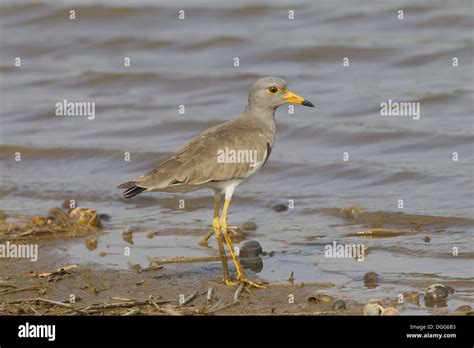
(221, 158)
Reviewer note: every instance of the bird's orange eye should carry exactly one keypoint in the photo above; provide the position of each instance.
(273, 90)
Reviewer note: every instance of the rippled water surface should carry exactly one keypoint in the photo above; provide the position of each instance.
(191, 62)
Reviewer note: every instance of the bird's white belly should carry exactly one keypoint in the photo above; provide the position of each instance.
(255, 167)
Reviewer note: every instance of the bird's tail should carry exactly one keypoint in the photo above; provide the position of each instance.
(131, 189)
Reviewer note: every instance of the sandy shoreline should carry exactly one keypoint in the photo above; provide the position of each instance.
(92, 285)
(51, 285)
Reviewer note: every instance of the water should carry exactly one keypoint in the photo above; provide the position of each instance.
(190, 62)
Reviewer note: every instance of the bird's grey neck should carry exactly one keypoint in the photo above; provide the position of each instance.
(264, 116)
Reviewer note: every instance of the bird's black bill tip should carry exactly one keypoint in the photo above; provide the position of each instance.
(307, 103)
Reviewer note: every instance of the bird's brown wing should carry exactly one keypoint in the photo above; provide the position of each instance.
(198, 161)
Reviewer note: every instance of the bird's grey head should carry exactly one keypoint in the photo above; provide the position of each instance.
(269, 93)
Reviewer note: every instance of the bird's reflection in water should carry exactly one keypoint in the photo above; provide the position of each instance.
(250, 256)
(254, 264)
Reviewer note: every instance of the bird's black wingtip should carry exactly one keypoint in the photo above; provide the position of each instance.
(132, 191)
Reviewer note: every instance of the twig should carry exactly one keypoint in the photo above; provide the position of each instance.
(221, 307)
(381, 232)
(182, 259)
(210, 294)
(6, 284)
(61, 270)
(53, 302)
(169, 311)
(34, 310)
(121, 299)
(39, 299)
(213, 307)
(190, 298)
(32, 287)
(117, 305)
(134, 311)
(238, 292)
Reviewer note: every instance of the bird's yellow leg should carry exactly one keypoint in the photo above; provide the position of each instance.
(209, 234)
(223, 225)
(220, 244)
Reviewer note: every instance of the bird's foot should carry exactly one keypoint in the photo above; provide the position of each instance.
(203, 243)
(250, 283)
(228, 282)
(205, 239)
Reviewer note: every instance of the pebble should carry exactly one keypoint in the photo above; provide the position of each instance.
(91, 243)
(338, 305)
(320, 298)
(279, 208)
(370, 280)
(127, 235)
(436, 293)
(250, 249)
(464, 308)
(370, 277)
(105, 217)
(351, 212)
(390, 311)
(85, 217)
(249, 226)
(411, 296)
(373, 309)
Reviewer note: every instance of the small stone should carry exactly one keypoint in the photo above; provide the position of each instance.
(464, 308)
(371, 280)
(85, 217)
(413, 297)
(339, 305)
(127, 236)
(134, 266)
(91, 243)
(38, 221)
(279, 208)
(249, 226)
(390, 311)
(104, 217)
(373, 309)
(351, 212)
(436, 296)
(250, 249)
(370, 277)
(320, 298)
(436, 293)
(291, 279)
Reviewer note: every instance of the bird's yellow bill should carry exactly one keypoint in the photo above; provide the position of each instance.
(296, 99)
